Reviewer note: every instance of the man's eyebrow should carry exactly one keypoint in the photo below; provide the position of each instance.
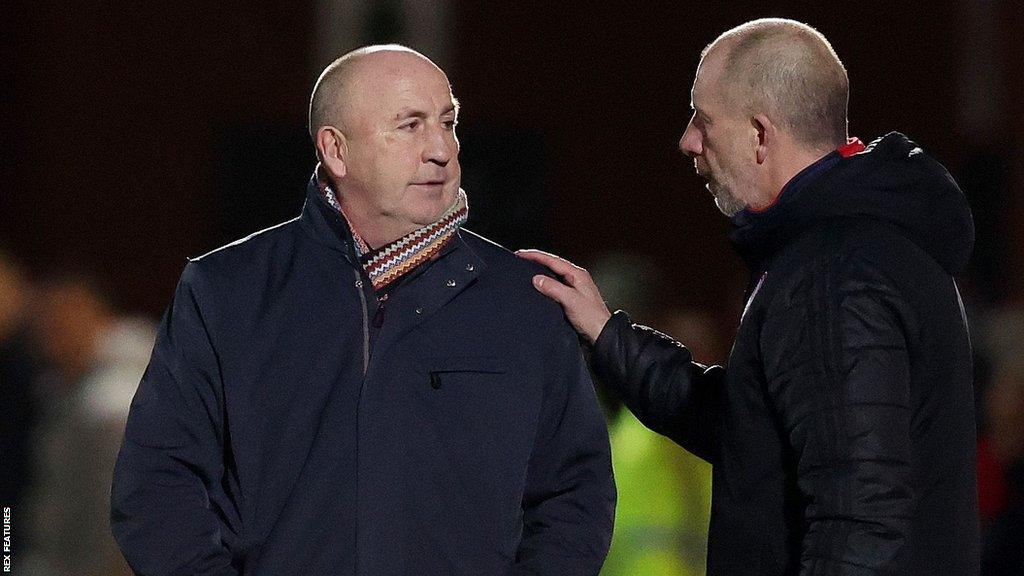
(409, 112)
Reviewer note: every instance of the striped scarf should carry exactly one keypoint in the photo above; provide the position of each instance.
(395, 259)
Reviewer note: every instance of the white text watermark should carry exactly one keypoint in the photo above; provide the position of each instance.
(7, 539)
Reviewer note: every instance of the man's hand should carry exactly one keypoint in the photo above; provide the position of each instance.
(578, 295)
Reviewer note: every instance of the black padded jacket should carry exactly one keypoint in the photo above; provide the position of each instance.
(841, 432)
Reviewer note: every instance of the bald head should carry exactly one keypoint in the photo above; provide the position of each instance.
(789, 71)
(383, 120)
(339, 83)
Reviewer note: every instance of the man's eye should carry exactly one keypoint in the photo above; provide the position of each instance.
(414, 124)
(450, 124)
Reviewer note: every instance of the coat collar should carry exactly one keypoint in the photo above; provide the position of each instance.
(325, 226)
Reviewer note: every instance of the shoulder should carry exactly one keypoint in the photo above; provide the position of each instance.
(511, 277)
(863, 237)
(880, 254)
(855, 246)
(500, 260)
(246, 247)
(873, 273)
(837, 257)
(246, 257)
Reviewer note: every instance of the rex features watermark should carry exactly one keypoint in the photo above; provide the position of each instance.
(7, 539)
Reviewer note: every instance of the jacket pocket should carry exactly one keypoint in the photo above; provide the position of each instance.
(464, 369)
(472, 445)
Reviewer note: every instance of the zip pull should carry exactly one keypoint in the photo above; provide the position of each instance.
(366, 320)
(378, 316)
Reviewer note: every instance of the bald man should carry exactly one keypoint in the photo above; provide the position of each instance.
(368, 389)
(841, 432)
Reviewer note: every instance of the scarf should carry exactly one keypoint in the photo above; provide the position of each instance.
(395, 259)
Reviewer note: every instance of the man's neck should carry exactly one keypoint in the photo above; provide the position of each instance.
(376, 232)
(781, 173)
(792, 165)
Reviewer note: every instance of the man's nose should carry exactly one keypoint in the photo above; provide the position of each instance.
(439, 146)
(690, 143)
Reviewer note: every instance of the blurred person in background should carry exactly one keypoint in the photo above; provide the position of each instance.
(631, 280)
(367, 388)
(18, 371)
(1003, 442)
(664, 493)
(96, 357)
(841, 434)
(664, 506)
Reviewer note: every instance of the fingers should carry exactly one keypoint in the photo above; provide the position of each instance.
(559, 266)
(587, 314)
(571, 274)
(554, 289)
(577, 293)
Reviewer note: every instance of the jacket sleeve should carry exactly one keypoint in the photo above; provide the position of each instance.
(837, 370)
(657, 379)
(162, 514)
(569, 498)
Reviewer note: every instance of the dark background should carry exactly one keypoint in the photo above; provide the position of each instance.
(137, 135)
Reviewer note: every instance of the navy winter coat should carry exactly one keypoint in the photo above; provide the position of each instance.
(841, 433)
(290, 424)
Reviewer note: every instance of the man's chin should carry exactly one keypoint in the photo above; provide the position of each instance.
(728, 207)
(444, 193)
(724, 201)
(428, 215)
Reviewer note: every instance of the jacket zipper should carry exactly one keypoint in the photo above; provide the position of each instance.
(366, 321)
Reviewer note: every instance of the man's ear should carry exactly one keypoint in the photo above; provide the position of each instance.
(766, 136)
(332, 148)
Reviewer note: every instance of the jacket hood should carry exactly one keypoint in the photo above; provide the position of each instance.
(892, 180)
